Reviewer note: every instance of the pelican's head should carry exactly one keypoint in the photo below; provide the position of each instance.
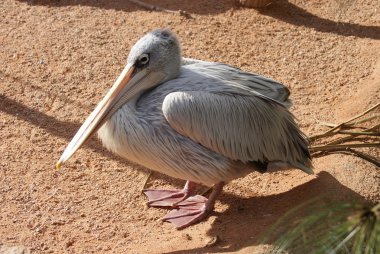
(154, 59)
(157, 51)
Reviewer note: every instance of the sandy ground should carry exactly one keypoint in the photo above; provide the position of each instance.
(59, 57)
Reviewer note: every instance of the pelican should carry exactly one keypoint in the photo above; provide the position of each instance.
(204, 122)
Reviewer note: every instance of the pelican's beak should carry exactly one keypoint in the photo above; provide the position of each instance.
(129, 83)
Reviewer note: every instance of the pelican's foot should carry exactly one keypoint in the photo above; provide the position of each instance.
(187, 208)
(169, 198)
(165, 198)
(190, 211)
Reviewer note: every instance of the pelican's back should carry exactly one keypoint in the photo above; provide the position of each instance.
(258, 83)
(232, 118)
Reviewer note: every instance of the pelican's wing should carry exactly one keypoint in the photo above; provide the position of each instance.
(256, 82)
(245, 128)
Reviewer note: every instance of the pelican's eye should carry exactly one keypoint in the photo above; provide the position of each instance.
(142, 60)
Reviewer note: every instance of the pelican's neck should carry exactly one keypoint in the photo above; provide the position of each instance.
(132, 103)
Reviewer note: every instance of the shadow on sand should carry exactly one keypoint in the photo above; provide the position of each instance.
(66, 130)
(201, 7)
(290, 13)
(245, 221)
(279, 9)
(52, 125)
(245, 218)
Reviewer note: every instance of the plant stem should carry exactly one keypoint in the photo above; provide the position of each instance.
(351, 125)
(146, 180)
(344, 139)
(342, 147)
(328, 133)
(358, 133)
(361, 155)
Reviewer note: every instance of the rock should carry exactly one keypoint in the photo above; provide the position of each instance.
(17, 249)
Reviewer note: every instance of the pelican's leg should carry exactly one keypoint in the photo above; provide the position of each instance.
(169, 198)
(193, 209)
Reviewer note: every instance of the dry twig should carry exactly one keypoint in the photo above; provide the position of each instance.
(330, 132)
(146, 181)
(353, 135)
(364, 156)
(158, 8)
(340, 146)
(353, 124)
